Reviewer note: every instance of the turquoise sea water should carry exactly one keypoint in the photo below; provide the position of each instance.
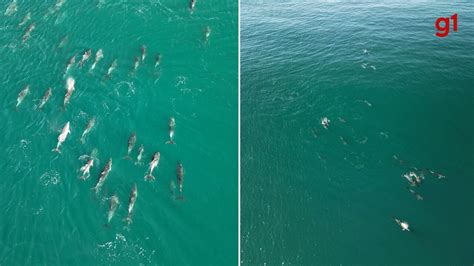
(48, 216)
(390, 87)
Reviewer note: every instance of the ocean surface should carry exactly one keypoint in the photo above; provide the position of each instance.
(398, 98)
(48, 216)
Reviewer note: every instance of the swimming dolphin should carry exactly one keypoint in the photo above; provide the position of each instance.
(69, 89)
(88, 128)
(440, 176)
(62, 137)
(98, 56)
(418, 178)
(157, 60)
(12, 8)
(86, 169)
(21, 96)
(45, 98)
(207, 33)
(70, 63)
(179, 177)
(131, 203)
(143, 49)
(59, 4)
(325, 122)
(85, 57)
(192, 5)
(114, 202)
(112, 67)
(25, 19)
(28, 31)
(131, 143)
(103, 176)
(410, 180)
(141, 149)
(136, 64)
(155, 160)
(343, 140)
(171, 126)
(404, 225)
(63, 42)
(418, 196)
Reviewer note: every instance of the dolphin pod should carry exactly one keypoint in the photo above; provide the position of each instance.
(29, 24)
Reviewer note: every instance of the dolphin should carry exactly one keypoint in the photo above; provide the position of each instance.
(440, 176)
(157, 60)
(410, 180)
(45, 98)
(207, 33)
(59, 4)
(404, 225)
(28, 31)
(143, 49)
(103, 176)
(114, 202)
(88, 128)
(325, 122)
(12, 8)
(179, 177)
(155, 160)
(70, 63)
(112, 67)
(136, 64)
(62, 137)
(63, 42)
(131, 143)
(141, 149)
(98, 56)
(131, 203)
(192, 5)
(86, 169)
(25, 19)
(171, 126)
(69, 89)
(85, 57)
(21, 96)
(418, 196)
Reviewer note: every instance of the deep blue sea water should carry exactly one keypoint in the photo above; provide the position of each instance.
(48, 216)
(398, 98)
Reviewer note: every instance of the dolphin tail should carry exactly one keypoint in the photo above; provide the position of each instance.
(138, 163)
(180, 197)
(56, 149)
(128, 157)
(170, 142)
(83, 140)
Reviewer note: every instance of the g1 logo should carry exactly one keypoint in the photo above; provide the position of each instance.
(442, 25)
